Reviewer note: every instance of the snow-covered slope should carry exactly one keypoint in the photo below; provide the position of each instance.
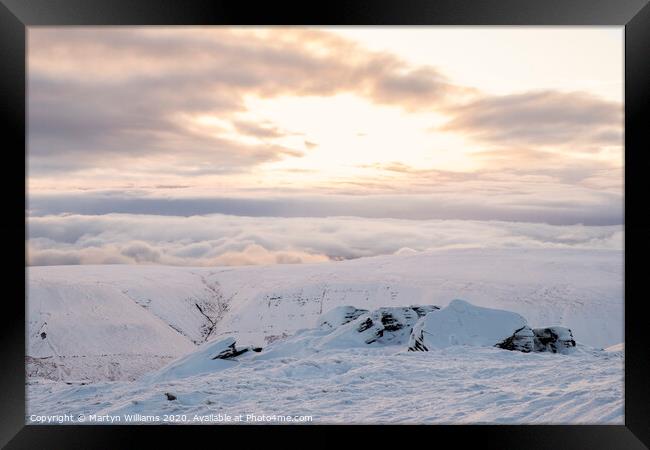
(367, 385)
(103, 323)
(155, 313)
(459, 324)
(203, 360)
(352, 367)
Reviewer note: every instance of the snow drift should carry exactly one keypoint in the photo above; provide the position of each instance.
(462, 323)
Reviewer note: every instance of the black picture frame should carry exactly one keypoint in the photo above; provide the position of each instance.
(634, 15)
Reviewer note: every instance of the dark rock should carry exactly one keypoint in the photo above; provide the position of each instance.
(391, 325)
(553, 339)
(522, 340)
(423, 310)
(366, 324)
(340, 316)
(232, 351)
(389, 322)
(383, 326)
(417, 342)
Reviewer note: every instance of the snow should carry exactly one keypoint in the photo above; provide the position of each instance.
(195, 363)
(373, 385)
(462, 323)
(92, 332)
(580, 289)
(616, 348)
(153, 314)
(123, 340)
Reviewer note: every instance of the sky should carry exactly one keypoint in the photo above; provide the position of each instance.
(407, 127)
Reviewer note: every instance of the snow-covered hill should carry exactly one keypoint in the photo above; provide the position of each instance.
(355, 367)
(118, 322)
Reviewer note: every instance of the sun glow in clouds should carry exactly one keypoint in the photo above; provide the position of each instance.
(346, 136)
(487, 123)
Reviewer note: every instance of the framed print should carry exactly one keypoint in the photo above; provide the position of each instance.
(427, 216)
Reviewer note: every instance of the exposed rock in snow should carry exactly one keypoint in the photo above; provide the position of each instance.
(338, 316)
(553, 339)
(462, 323)
(232, 351)
(422, 327)
(523, 340)
(423, 310)
(383, 326)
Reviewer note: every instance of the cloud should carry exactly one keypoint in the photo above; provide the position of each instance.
(560, 166)
(141, 252)
(577, 120)
(97, 96)
(152, 109)
(216, 240)
(259, 131)
(534, 198)
(123, 128)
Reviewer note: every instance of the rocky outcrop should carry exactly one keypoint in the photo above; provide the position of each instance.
(423, 310)
(338, 316)
(462, 323)
(554, 339)
(522, 340)
(551, 339)
(465, 324)
(383, 326)
(232, 351)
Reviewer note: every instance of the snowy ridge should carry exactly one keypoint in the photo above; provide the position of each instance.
(154, 314)
(339, 375)
(459, 324)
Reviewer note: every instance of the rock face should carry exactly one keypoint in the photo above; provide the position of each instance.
(553, 339)
(338, 316)
(383, 326)
(462, 323)
(523, 340)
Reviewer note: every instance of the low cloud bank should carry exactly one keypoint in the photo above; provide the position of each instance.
(548, 202)
(220, 240)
